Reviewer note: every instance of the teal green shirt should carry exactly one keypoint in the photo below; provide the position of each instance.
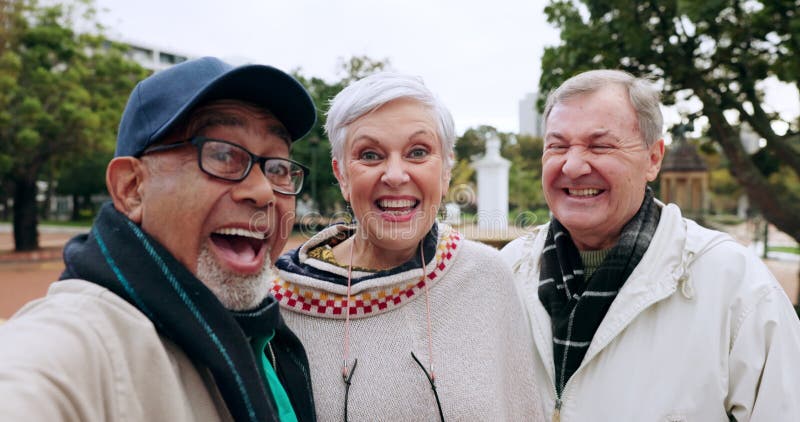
(285, 410)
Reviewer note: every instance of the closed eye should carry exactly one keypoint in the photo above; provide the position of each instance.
(601, 148)
(557, 147)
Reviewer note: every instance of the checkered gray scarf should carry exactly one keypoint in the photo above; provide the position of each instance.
(576, 308)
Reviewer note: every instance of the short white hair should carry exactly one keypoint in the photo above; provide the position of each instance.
(368, 94)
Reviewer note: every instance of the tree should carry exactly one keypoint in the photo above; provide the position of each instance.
(84, 178)
(718, 53)
(525, 187)
(61, 95)
(315, 149)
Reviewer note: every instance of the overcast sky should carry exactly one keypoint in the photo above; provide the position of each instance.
(480, 56)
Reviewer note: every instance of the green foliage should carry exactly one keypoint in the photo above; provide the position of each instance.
(61, 98)
(315, 149)
(85, 176)
(472, 143)
(525, 176)
(718, 52)
(462, 173)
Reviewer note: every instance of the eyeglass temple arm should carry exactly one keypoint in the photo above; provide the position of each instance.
(433, 385)
(347, 376)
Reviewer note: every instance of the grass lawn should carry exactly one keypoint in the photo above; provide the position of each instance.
(788, 249)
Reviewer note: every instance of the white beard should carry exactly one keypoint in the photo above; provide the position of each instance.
(236, 292)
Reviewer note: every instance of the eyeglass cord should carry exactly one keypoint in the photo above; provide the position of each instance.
(347, 373)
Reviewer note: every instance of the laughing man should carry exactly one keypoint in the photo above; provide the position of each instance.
(162, 312)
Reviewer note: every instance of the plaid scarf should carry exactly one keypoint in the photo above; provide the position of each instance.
(119, 256)
(576, 308)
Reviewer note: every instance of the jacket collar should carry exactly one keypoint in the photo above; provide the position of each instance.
(649, 283)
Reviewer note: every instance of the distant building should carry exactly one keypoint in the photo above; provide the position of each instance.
(154, 58)
(530, 121)
(684, 178)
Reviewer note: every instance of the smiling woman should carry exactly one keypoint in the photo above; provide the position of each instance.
(389, 308)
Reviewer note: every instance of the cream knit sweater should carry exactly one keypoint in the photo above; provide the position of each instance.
(482, 348)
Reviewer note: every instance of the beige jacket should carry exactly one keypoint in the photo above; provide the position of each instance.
(83, 354)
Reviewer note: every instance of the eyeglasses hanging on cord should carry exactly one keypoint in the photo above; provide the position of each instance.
(348, 372)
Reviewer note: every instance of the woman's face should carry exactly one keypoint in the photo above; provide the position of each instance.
(393, 174)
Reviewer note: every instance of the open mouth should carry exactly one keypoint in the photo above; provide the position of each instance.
(397, 207)
(584, 193)
(241, 249)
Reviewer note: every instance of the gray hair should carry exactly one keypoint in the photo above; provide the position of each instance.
(370, 93)
(644, 97)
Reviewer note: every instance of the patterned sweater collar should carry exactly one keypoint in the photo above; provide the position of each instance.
(315, 287)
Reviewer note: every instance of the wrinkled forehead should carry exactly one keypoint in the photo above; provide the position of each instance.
(233, 113)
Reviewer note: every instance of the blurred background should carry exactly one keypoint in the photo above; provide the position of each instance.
(728, 71)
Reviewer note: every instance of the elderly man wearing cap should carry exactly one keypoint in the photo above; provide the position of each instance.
(162, 312)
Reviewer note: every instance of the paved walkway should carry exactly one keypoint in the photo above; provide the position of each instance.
(785, 267)
(26, 276)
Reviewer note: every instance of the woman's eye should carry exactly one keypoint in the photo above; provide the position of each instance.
(418, 153)
(369, 155)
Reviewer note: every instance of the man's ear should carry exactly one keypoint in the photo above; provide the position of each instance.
(124, 179)
(656, 154)
(343, 186)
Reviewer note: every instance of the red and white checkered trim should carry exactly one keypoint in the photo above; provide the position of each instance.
(332, 305)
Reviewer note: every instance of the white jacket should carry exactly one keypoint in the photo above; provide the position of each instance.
(700, 330)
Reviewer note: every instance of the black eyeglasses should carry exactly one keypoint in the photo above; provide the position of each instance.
(228, 161)
(347, 377)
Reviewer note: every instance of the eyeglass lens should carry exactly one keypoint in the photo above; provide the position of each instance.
(232, 162)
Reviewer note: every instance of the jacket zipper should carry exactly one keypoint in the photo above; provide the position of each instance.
(557, 411)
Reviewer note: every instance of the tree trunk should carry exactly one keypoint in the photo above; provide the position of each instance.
(76, 208)
(4, 203)
(26, 236)
(88, 205)
(777, 206)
